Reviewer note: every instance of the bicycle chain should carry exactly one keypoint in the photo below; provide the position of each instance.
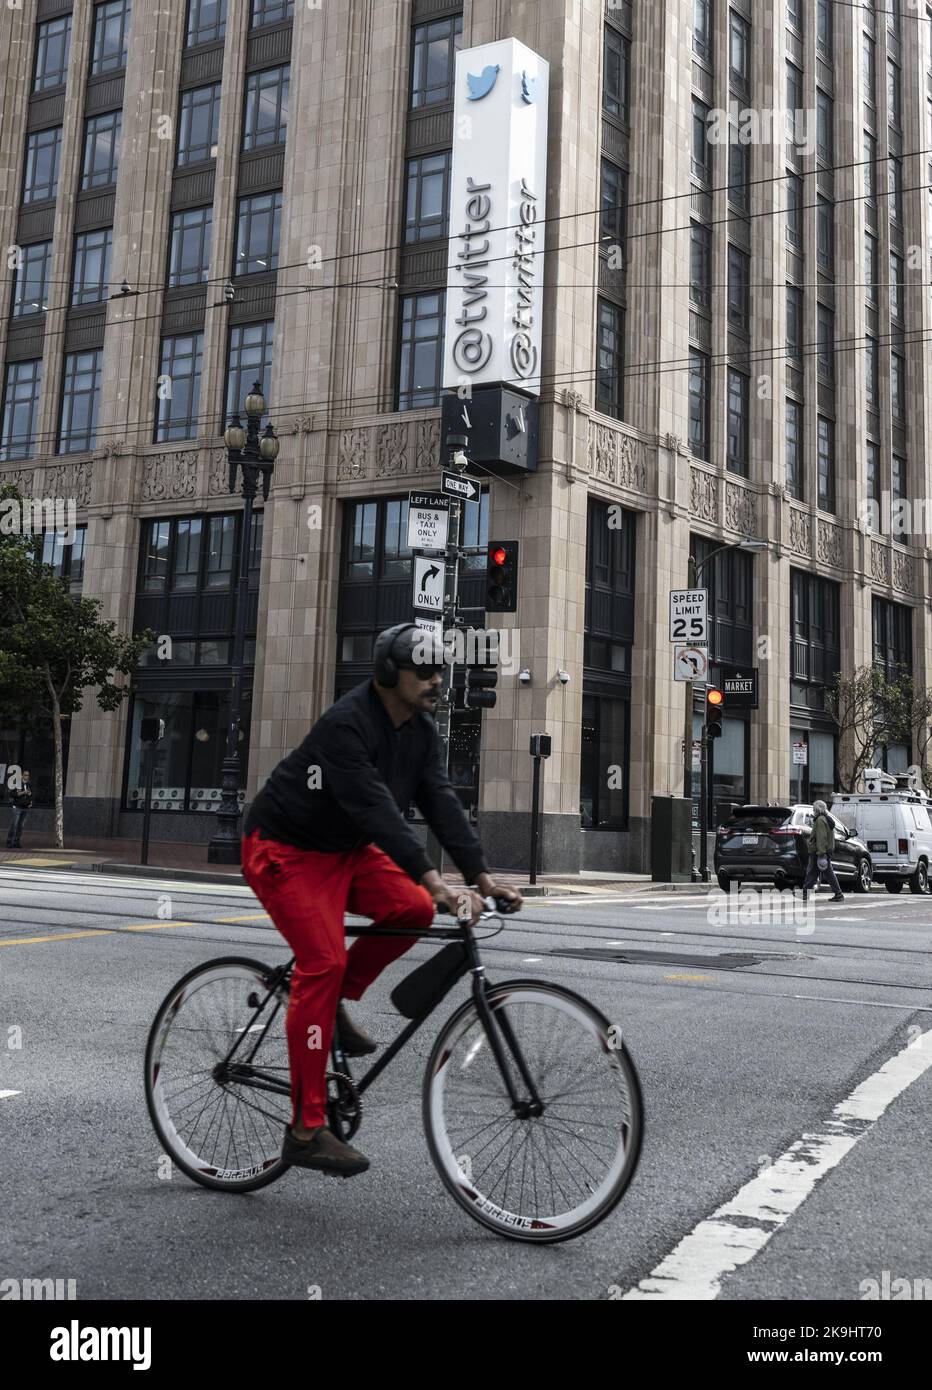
(347, 1084)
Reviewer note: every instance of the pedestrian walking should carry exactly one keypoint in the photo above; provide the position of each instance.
(20, 801)
(821, 849)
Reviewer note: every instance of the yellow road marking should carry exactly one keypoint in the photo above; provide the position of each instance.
(250, 917)
(39, 863)
(98, 931)
(689, 977)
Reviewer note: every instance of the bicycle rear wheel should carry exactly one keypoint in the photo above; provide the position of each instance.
(539, 1177)
(222, 1125)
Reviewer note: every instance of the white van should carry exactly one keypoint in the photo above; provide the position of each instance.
(892, 817)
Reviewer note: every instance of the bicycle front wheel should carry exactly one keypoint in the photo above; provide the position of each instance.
(221, 1122)
(539, 1173)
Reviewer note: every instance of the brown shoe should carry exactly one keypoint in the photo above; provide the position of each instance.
(353, 1040)
(325, 1152)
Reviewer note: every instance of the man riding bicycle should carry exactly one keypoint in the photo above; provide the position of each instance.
(327, 834)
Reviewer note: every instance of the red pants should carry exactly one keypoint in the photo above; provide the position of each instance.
(307, 894)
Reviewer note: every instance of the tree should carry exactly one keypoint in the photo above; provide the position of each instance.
(869, 711)
(53, 648)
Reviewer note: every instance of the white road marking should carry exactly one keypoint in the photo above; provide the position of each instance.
(719, 1245)
(531, 960)
(4, 1095)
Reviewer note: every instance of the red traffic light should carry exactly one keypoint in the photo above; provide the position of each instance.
(715, 697)
(499, 555)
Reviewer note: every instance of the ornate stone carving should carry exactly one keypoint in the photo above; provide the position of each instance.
(218, 476)
(392, 455)
(904, 572)
(170, 475)
(427, 447)
(572, 400)
(113, 448)
(22, 479)
(303, 424)
(800, 533)
(69, 480)
(740, 509)
(829, 543)
(703, 495)
(675, 444)
(603, 462)
(880, 562)
(353, 458)
(632, 467)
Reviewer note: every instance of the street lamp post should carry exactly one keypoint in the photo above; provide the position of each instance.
(255, 455)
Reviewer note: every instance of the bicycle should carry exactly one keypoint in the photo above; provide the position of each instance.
(531, 1104)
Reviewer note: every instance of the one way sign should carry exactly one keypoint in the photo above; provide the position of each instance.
(429, 584)
(458, 486)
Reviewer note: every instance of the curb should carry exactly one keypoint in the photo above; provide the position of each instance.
(154, 871)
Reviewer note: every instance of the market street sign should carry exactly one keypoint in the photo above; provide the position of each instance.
(739, 686)
(688, 616)
(428, 520)
(429, 584)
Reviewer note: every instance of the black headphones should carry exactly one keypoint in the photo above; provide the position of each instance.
(385, 665)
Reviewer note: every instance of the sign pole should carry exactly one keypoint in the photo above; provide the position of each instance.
(703, 809)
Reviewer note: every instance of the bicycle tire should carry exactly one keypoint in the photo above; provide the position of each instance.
(463, 1188)
(205, 1174)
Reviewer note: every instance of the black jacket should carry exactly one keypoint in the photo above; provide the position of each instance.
(363, 773)
(22, 799)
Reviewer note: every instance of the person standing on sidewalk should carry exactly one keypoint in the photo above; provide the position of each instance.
(20, 801)
(821, 849)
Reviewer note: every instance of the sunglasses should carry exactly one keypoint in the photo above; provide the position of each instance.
(425, 672)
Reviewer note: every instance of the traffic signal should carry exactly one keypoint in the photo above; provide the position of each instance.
(480, 686)
(501, 587)
(714, 710)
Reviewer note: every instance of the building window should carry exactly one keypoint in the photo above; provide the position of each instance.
(221, 534)
(739, 174)
(102, 135)
(825, 131)
(80, 399)
(794, 103)
(815, 606)
(207, 22)
(198, 125)
(702, 150)
(825, 437)
(257, 233)
(873, 485)
(53, 45)
(893, 638)
(739, 289)
(824, 28)
(870, 169)
(433, 60)
(895, 188)
(359, 551)
(898, 388)
(794, 14)
(900, 483)
(427, 205)
(31, 283)
(700, 264)
(249, 360)
(91, 266)
(870, 372)
(609, 390)
(794, 323)
(420, 366)
(794, 450)
(794, 209)
(603, 797)
(66, 561)
(738, 422)
(614, 202)
(896, 286)
(699, 404)
(43, 155)
(826, 343)
(739, 49)
(702, 29)
(179, 387)
(869, 67)
(189, 247)
(266, 118)
(270, 12)
(111, 31)
(616, 80)
(894, 94)
(870, 268)
(20, 409)
(825, 235)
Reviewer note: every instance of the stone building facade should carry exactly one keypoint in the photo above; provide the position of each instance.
(733, 350)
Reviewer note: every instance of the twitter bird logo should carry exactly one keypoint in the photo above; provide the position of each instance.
(528, 88)
(480, 86)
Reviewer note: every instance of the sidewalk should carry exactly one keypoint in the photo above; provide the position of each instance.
(171, 860)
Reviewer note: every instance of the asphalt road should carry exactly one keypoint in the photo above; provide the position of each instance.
(786, 1069)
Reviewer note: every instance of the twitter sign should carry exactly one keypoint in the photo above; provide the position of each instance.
(498, 201)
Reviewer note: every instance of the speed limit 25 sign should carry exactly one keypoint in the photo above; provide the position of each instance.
(689, 616)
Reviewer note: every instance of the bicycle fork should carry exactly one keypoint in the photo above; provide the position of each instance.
(493, 1023)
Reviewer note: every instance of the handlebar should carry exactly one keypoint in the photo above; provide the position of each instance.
(495, 907)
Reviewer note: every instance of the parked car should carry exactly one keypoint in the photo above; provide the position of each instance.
(893, 821)
(770, 844)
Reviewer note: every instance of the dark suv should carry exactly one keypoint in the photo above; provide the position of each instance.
(770, 844)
